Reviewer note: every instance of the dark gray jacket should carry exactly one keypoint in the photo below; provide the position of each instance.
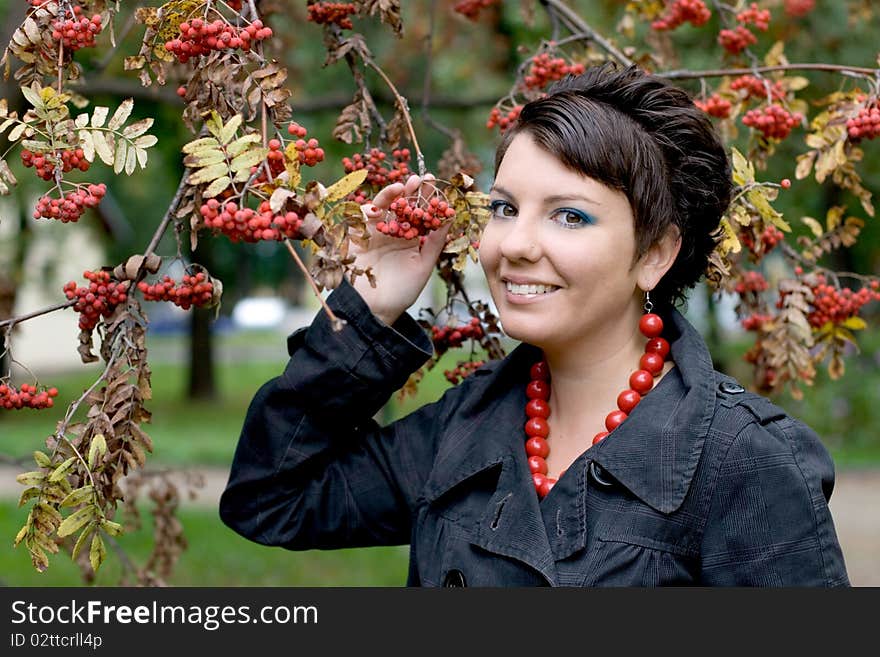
(704, 484)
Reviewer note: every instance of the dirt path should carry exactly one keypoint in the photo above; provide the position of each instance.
(855, 506)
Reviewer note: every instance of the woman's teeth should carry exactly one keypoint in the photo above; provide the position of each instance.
(529, 289)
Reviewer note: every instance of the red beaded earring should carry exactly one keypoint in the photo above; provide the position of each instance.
(538, 392)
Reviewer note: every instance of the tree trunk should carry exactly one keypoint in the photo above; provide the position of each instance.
(202, 377)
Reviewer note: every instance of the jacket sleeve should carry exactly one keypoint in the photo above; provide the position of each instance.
(769, 522)
(312, 469)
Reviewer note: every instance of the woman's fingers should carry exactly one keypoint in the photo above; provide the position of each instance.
(383, 199)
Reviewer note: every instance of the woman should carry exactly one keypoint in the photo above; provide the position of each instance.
(606, 194)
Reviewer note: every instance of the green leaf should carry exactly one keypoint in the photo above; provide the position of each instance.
(217, 187)
(240, 144)
(248, 159)
(81, 541)
(112, 528)
(42, 459)
(78, 496)
(77, 519)
(208, 174)
(121, 114)
(27, 494)
(98, 552)
(204, 158)
(345, 186)
(34, 478)
(214, 123)
(99, 116)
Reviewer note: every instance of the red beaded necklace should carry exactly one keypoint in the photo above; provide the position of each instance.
(538, 393)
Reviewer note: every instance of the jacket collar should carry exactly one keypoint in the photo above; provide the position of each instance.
(653, 454)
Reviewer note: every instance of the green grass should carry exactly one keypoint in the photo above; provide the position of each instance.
(216, 556)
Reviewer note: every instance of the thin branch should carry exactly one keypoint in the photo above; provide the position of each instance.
(169, 214)
(404, 107)
(337, 323)
(426, 88)
(685, 74)
(37, 313)
(577, 24)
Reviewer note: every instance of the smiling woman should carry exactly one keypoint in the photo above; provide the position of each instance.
(605, 450)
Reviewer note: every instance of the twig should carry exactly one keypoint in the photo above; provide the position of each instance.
(337, 322)
(160, 231)
(37, 313)
(401, 102)
(685, 74)
(426, 89)
(577, 24)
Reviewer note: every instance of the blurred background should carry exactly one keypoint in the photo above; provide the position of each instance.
(208, 364)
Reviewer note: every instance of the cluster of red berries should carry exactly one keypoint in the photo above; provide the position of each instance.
(759, 88)
(26, 397)
(380, 172)
(415, 219)
(77, 32)
(72, 206)
(760, 18)
(45, 166)
(797, 8)
(194, 290)
(774, 121)
(715, 105)
(199, 38)
(247, 225)
(472, 8)
(834, 305)
(503, 121)
(755, 321)
(736, 40)
(462, 370)
(679, 12)
(100, 298)
(751, 282)
(545, 69)
(770, 237)
(323, 13)
(451, 337)
(866, 125)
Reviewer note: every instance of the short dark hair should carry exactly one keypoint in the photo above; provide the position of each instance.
(639, 134)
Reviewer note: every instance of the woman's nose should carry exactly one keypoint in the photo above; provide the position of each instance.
(521, 240)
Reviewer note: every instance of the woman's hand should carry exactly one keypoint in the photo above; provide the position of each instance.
(401, 268)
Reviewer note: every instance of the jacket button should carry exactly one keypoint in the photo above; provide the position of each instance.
(731, 388)
(597, 472)
(454, 578)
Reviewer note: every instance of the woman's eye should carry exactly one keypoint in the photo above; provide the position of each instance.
(502, 209)
(570, 218)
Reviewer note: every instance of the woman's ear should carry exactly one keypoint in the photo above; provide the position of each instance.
(657, 260)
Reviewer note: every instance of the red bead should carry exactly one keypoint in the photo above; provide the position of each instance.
(546, 487)
(652, 362)
(641, 381)
(614, 420)
(540, 371)
(538, 408)
(537, 426)
(599, 437)
(538, 480)
(537, 447)
(659, 346)
(651, 325)
(537, 464)
(627, 400)
(538, 390)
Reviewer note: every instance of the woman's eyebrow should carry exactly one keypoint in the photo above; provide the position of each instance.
(549, 200)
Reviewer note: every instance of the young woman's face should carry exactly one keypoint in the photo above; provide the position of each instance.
(558, 251)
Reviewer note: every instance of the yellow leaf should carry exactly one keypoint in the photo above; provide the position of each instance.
(833, 217)
(855, 323)
(743, 171)
(291, 165)
(78, 496)
(62, 470)
(76, 520)
(217, 187)
(730, 243)
(814, 225)
(345, 186)
(208, 174)
(229, 130)
(97, 449)
(81, 541)
(242, 143)
(795, 83)
(34, 478)
(97, 552)
(248, 159)
(41, 459)
(804, 165)
(204, 158)
(199, 144)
